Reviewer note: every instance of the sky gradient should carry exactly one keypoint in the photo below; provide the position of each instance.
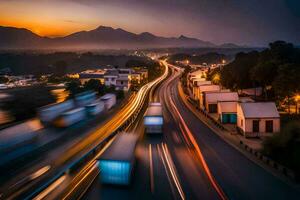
(250, 22)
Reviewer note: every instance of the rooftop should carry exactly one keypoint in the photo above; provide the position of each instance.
(260, 110)
(122, 148)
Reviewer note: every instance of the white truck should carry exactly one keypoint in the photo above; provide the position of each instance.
(95, 108)
(50, 112)
(153, 119)
(109, 100)
(70, 117)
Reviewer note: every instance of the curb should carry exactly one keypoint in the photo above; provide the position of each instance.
(269, 164)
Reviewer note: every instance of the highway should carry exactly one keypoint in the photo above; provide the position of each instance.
(55, 168)
(191, 162)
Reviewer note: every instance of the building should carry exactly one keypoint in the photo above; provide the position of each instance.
(256, 119)
(196, 82)
(205, 88)
(227, 112)
(211, 99)
(92, 74)
(122, 83)
(110, 77)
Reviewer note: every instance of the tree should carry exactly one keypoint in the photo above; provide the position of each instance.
(286, 84)
(74, 87)
(285, 146)
(236, 75)
(92, 84)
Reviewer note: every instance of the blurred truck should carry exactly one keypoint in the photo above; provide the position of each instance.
(95, 108)
(153, 119)
(109, 100)
(85, 98)
(116, 164)
(50, 112)
(70, 117)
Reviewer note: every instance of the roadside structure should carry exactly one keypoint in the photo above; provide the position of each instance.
(255, 119)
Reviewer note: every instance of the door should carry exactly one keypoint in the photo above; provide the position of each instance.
(255, 126)
(233, 118)
(269, 126)
(225, 118)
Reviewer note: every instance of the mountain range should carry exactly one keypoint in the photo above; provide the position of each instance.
(100, 38)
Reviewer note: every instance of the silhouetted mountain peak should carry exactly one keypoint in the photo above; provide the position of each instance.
(101, 37)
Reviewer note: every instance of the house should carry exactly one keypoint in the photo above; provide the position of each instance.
(196, 82)
(195, 74)
(124, 72)
(200, 90)
(110, 77)
(122, 83)
(256, 119)
(92, 74)
(211, 99)
(227, 112)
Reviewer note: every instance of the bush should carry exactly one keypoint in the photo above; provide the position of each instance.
(284, 147)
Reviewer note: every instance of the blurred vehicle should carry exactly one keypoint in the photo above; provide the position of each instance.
(70, 117)
(85, 98)
(50, 112)
(116, 164)
(95, 108)
(109, 100)
(153, 119)
(20, 137)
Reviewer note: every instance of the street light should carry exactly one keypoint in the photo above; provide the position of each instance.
(297, 99)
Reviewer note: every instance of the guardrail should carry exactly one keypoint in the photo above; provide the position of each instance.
(270, 162)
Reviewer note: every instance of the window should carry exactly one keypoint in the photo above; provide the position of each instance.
(269, 126)
(255, 126)
(242, 122)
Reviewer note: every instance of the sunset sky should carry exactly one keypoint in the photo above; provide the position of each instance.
(254, 22)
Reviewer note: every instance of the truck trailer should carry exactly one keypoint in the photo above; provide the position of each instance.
(85, 98)
(95, 108)
(109, 100)
(117, 162)
(50, 112)
(70, 117)
(153, 119)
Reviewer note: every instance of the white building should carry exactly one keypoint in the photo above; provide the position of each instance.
(196, 82)
(123, 83)
(211, 99)
(227, 112)
(110, 77)
(200, 90)
(257, 119)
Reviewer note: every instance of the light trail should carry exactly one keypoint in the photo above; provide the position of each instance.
(103, 132)
(54, 185)
(172, 170)
(200, 155)
(151, 169)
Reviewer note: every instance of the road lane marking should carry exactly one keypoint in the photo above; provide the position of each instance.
(200, 155)
(151, 169)
(172, 170)
(49, 189)
(165, 167)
